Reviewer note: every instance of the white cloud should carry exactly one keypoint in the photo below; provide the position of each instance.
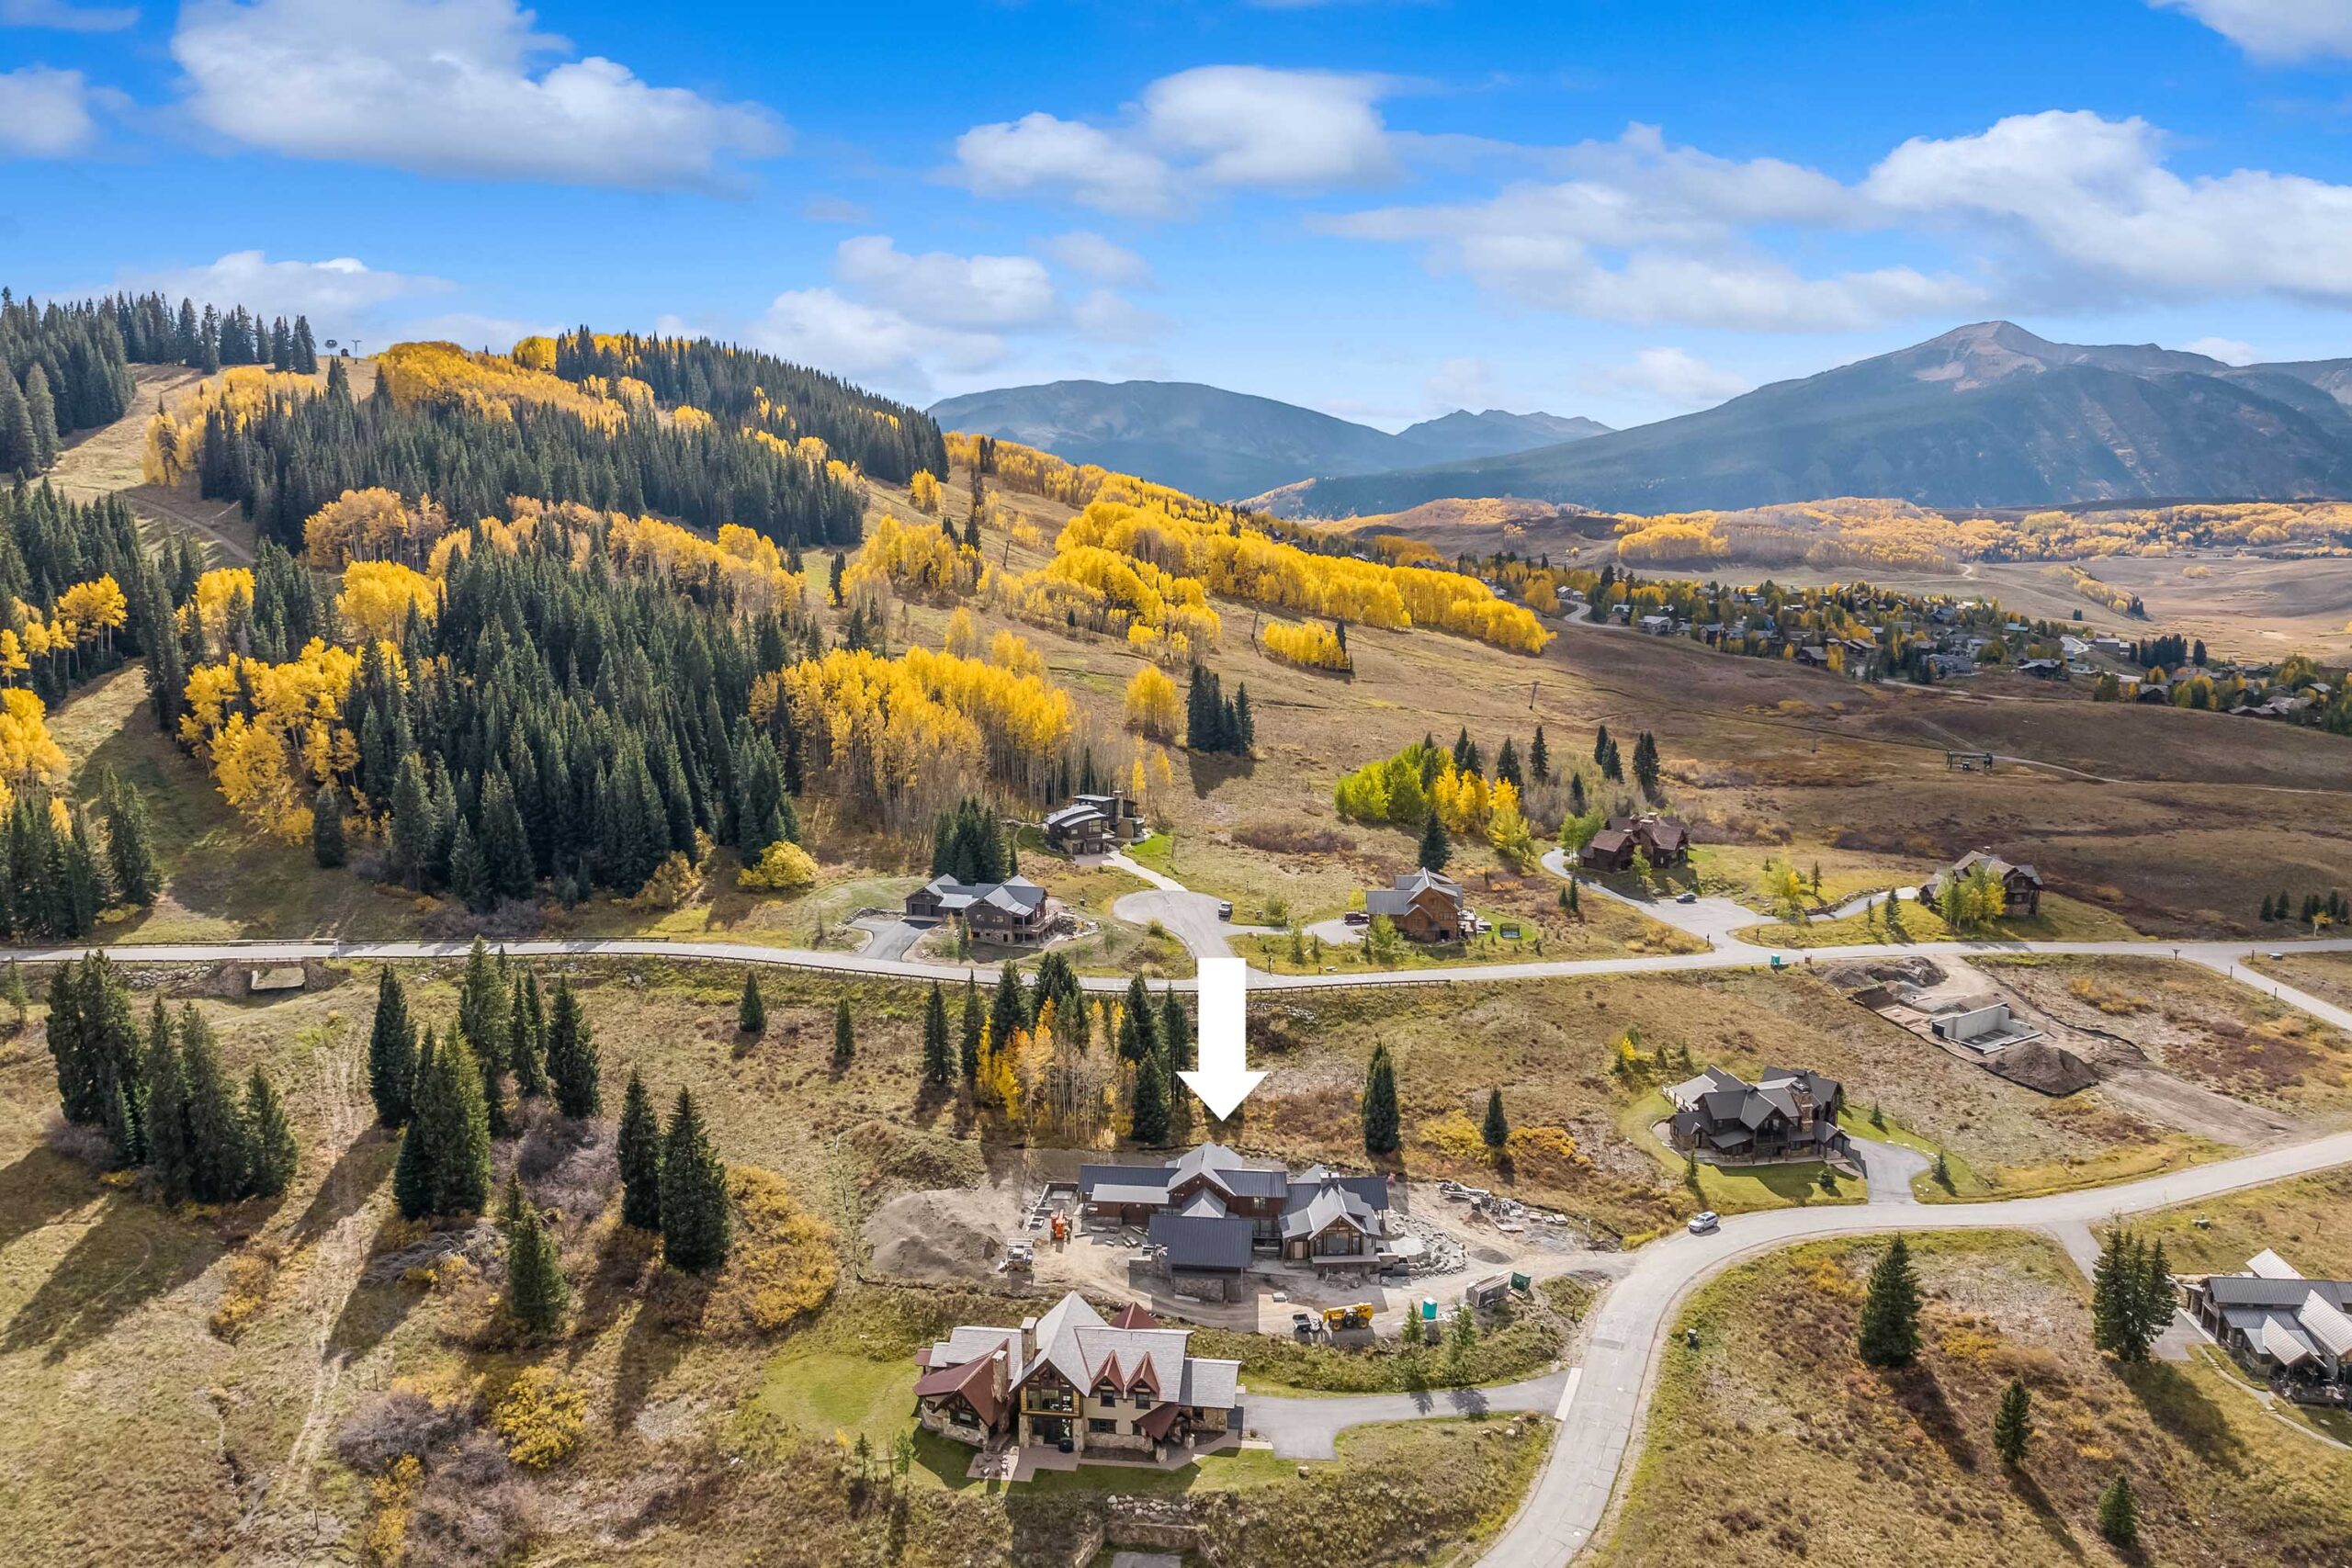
(1216, 127)
(461, 87)
(66, 17)
(2229, 351)
(1090, 254)
(1039, 153)
(946, 290)
(2275, 29)
(44, 113)
(1279, 130)
(1676, 377)
(821, 327)
(333, 293)
(2094, 196)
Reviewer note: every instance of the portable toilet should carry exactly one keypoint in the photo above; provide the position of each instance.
(1429, 1309)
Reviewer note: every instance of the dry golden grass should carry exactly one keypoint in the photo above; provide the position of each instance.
(1842, 1464)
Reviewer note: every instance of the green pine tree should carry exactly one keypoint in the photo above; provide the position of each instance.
(936, 1063)
(1008, 1009)
(572, 1066)
(219, 1139)
(967, 1060)
(482, 1020)
(326, 827)
(527, 1037)
(536, 1291)
(1890, 1326)
(391, 1051)
(1495, 1132)
(2013, 1424)
(1147, 1109)
(751, 1013)
(2119, 1513)
(131, 846)
(1175, 1033)
(1435, 849)
(844, 1036)
(13, 992)
(167, 1131)
(271, 1152)
(444, 1164)
(639, 1146)
(696, 1229)
(1382, 1129)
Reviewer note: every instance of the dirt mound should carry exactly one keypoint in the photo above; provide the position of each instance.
(1884, 973)
(942, 1236)
(2047, 1068)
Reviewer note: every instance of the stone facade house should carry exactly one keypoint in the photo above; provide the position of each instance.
(1422, 906)
(1788, 1114)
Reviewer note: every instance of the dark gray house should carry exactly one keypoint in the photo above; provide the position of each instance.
(2296, 1332)
(1788, 1114)
(1015, 911)
(1211, 1211)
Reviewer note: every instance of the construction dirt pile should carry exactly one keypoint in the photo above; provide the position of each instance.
(942, 1236)
(2038, 1065)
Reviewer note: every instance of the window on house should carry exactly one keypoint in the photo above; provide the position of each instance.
(1098, 1425)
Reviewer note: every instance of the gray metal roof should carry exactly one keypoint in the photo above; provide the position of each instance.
(1201, 1241)
(1210, 1384)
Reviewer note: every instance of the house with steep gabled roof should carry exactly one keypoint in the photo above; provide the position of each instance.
(1211, 1212)
(2020, 885)
(1423, 906)
(1122, 1388)
(1015, 911)
(1786, 1114)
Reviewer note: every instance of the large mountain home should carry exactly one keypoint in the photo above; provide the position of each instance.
(1122, 1389)
(2020, 885)
(2296, 1332)
(1422, 906)
(1015, 911)
(1785, 1115)
(1211, 1212)
(1663, 839)
(1095, 824)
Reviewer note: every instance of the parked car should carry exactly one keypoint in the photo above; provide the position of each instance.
(1705, 1223)
(1686, 898)
(1225, 909)
(1357, 918)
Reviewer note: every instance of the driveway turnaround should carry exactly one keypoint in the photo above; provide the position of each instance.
(1306, 1428)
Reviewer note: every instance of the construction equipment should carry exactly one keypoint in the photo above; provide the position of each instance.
(1061, 1227)
(1358, 1315)
(1020, 1256)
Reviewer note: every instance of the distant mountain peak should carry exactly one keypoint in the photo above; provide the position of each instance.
(1225, 444)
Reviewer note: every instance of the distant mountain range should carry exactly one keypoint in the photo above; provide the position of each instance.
(1224, 444)
(1986, 416)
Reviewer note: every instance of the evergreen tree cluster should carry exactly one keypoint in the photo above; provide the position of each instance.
(168, 1104)
(2131, 1297)
(47, 545)
(52, 887)
(152, 332)
(61, 369)
(966, 844)
(1212, 721)
(1158, 1041)
(2332, 904)
(296, 452)
(503, 1028)
(566, 726)
(672, 1181)
(890, 441)
(2169, 652)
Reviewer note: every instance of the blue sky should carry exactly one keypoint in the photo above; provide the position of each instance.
(1383, 209)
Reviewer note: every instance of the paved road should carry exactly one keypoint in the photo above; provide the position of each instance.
(2222, 957)
(1597, 1440)
(1307, 1429)
(1890, 1168)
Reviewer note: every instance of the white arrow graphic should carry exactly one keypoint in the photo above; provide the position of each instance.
(1224, 1079)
